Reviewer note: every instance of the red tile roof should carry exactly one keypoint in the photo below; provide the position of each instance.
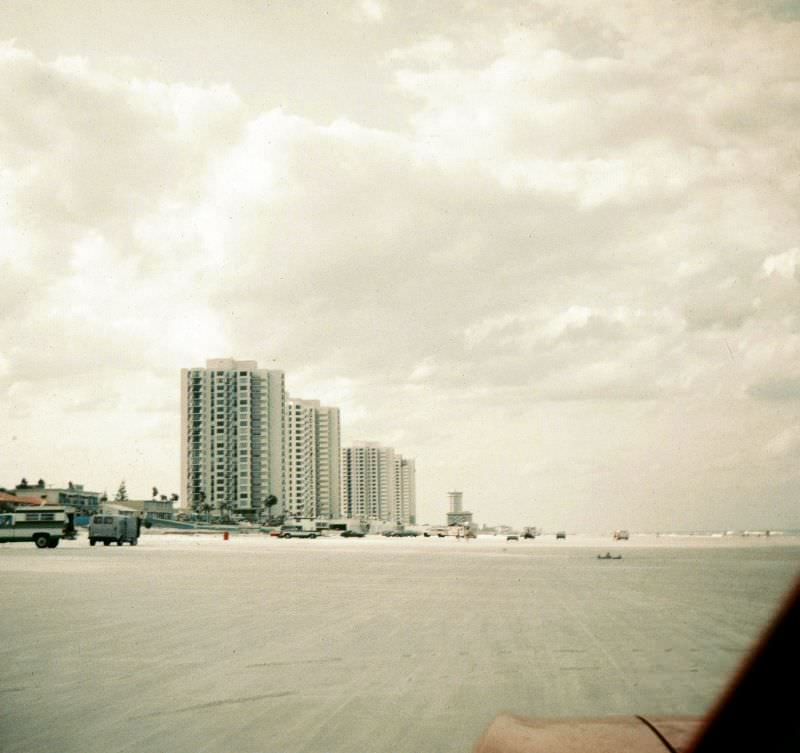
(5, 497)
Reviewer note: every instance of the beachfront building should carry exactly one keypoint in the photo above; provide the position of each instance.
(457, 515)
(301, 477)
(233, 419)
(313, 460)
(373, 484)
(72, 496)
(405, 490)
(149, 509)
(328, 462)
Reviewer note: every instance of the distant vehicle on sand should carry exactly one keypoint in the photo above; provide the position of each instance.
(621, 535)
(115, 529)
(350, 534)
(296, 532)
(561, 535)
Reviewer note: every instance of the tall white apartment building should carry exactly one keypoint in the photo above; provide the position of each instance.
(377, 484)
(313, 459)
(301, 477)
(329, 462)
(233, 418)
(405, 489)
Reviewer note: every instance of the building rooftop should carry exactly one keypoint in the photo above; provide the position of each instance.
(20, 500)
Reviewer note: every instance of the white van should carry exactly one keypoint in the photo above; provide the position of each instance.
(42, 524)
(114, 528)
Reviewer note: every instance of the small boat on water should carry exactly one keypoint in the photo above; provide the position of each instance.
(609, 556)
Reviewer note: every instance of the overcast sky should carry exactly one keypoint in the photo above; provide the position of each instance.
(548, 249)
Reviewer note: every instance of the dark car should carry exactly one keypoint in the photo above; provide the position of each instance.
(352, 534)
(512, 537)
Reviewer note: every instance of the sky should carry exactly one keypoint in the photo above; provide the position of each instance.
(550, 250)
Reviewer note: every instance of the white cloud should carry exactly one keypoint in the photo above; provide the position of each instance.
(783, 265)
(431, 51)
(579, 233)
(785, 443)
(371, 10)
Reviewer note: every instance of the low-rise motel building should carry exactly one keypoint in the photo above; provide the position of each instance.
(72, 497)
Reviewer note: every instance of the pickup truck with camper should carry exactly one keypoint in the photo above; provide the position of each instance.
(114, 529)
(43, 525)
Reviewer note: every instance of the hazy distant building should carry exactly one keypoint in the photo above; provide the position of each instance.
(455, 500)
(313, 459)
(368, 481)
(376, 484)
(457, 515)
(160, 509)
(405, 490)
(233, 420)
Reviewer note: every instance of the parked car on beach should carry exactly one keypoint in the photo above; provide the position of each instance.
(297, 532)
(352, 534)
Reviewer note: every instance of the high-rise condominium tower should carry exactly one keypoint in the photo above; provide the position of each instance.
(313, 460)
(329, 462)
(232, 436)
(373, 484)
(405, 490)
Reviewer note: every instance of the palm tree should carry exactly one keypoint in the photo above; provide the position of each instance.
(270, 502)
(197, 502)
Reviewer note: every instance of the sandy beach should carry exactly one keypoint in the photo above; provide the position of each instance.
(257, 645)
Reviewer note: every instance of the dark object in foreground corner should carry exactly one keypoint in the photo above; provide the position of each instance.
(758, 712)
